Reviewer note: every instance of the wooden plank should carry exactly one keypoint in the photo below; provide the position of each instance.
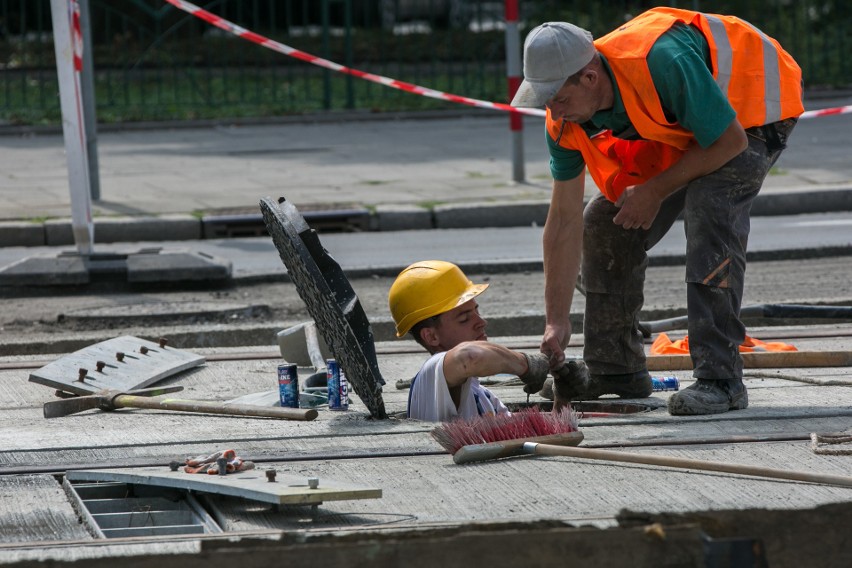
(144, 363)
(761, 360)
(252, 484)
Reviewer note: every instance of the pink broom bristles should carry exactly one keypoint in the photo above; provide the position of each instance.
(527, 423)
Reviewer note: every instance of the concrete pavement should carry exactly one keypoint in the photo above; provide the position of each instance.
(422, 490)
(352, 172)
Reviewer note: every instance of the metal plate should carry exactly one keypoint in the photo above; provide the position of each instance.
(137, 370)
(329, 298)
(251, 484)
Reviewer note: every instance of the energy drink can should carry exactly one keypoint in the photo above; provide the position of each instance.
(288, 385)
(338, 386)
(665, 384)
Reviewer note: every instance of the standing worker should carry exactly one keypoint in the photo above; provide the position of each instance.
(675, 112)
(435, 302)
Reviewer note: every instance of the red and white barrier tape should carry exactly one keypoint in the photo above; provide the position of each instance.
(826, 111)
(239, 31)
(232, 28)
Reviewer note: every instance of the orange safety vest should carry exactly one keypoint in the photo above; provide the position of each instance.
(762, 82)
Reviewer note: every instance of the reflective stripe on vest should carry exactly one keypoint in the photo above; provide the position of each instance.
(771, 67)
(724, 54)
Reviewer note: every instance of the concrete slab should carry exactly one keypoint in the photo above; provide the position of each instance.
(421, 487)
(45, 269)
(251, 484)
(152, 265)
(163, 265)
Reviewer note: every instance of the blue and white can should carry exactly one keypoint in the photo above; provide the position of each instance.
(288, 385)
(338, 386)
(665, 384)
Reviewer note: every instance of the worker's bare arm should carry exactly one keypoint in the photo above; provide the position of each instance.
(481, 359)
(563, 245)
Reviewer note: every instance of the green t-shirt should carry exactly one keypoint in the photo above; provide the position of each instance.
(679, 62)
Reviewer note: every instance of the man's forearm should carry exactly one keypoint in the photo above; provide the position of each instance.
(481, 359)
(562, 247)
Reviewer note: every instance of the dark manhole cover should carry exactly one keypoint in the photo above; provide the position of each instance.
(330, 300)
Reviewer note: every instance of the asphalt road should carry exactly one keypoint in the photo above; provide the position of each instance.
(253, 309)
(506, 249)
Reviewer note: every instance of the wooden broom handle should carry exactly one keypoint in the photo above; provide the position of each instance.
(687, 463)
(208, 407)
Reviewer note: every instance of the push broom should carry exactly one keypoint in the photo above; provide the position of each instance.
(532, 432)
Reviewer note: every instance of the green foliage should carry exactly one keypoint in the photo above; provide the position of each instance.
(152, 95)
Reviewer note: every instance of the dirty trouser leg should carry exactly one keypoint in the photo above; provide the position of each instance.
(615, 259)
(613, 269)
(716, 220)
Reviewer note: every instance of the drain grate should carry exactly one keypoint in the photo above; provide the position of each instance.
(119, 510)
(333, 218)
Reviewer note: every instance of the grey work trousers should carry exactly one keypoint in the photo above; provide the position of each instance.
(715, 211)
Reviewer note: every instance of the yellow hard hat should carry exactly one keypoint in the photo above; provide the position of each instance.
(426, 289)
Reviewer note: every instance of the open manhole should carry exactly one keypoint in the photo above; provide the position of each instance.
(119, 510)
(586, 409)
(593, 408)
(158, 312)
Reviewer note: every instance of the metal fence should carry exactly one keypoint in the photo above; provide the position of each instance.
(154, 62)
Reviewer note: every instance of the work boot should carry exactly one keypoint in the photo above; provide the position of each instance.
(709, 397)
(629, 385)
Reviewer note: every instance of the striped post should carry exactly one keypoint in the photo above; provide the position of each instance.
(68, 45)
(513, 75)
(87, 88)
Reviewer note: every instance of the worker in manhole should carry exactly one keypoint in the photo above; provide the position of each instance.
(674, 113)
(436, 303)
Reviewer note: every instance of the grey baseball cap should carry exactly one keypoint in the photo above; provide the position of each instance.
(552, 52)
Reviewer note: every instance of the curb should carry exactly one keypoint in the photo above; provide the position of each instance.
(182, 227)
